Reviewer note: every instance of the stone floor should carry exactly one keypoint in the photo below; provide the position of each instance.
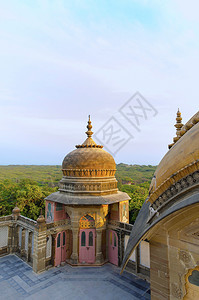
(18, 281)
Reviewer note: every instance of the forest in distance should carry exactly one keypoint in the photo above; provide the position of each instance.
(28, 185)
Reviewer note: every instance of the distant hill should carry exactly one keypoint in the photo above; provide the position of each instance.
(42, 174)
(135, 173)
(52, 174)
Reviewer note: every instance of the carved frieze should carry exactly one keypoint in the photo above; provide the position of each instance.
(176, 188)
(181, 176)
(88, 172)
(87, 187)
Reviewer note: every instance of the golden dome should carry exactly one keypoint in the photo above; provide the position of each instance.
(89, 159)
(181, 160)
(89, 176)
(88, 170)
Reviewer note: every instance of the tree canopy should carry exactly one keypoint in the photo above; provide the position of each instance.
(27, 186)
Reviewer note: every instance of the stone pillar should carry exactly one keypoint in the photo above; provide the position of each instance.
(39, 255)
(137, 259)
(26, 243)
(30, 246)
(10, 238)
(13, 237)
(121, 237)
(23, 243)
(99, 255)
(74, 259)
(74, 255)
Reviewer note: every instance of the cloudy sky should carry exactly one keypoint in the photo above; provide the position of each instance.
(62, 60)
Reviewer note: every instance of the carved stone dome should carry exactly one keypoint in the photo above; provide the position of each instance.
(89, 160)
(181, 160)
(89, 170)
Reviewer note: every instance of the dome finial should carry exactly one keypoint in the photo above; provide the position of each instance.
(178, 124)
(89, 126)
(89, 141)
(178, 127)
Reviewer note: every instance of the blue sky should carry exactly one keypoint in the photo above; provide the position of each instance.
(62, 60)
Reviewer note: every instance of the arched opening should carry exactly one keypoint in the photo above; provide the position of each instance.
(113, 247)
(87, 240)
(87, 221)
(63, 246)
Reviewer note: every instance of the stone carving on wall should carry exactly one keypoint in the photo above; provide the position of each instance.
(187, 263)
(176, 291)
(185, 256)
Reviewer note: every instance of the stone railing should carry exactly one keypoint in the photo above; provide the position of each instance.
(5, 219)
(120, 225)
(139, 260)
(58, 223)
(16, 235)
(26, 222)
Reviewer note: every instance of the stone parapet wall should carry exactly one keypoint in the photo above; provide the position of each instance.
(123, 226)
(34, 241)
(5, 218)
(17, 236)
(26, 223)
(26, 220)
(29, 239)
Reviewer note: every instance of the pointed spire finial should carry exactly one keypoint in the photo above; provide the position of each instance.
(178, 124)
(89, 126)
(89, 143)
(178, 127)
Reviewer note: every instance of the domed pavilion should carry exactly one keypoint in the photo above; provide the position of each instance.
(87, 199)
